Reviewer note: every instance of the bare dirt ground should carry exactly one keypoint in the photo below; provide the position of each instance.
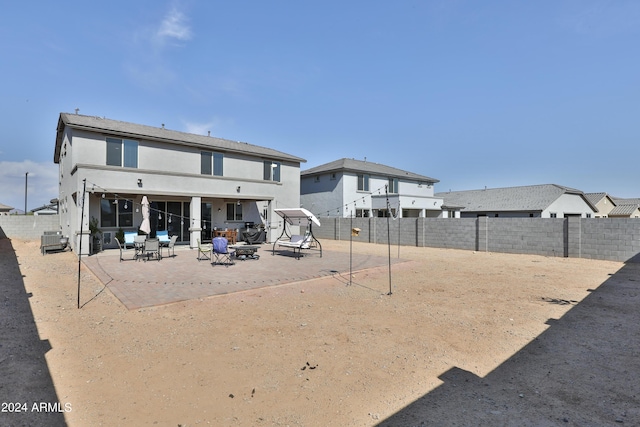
(465, 339)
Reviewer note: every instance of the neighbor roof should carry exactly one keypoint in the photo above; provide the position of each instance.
(625, 210)
(137, 131)
(594, 198)
(5, 207)
(621, 201)
(514, 199)
(363, 166)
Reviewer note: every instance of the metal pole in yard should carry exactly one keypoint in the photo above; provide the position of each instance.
(350, 246)
(388, 234)
(84, 189)
(26, 180)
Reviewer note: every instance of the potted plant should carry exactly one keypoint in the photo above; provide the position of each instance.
(95, 235)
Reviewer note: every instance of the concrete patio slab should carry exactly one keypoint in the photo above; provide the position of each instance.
(139, 284)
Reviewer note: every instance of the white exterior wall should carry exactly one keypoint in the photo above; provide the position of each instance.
(321, 196)
(168, 171)
(568, 204)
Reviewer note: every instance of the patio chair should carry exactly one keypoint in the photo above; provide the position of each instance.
(221, 251)
(123, 248)
(138, 244)
(152, 249)
(163, 237)
(170, 247)
(204, 250)
(129, 237)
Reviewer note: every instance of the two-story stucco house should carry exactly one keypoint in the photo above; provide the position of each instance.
(194, 182)
(360, 188)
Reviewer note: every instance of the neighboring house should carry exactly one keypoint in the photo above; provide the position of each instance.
(537, 201)
(360, 188)
(50, 209)
(614, 207)
(625, 211)
(603, 203)
(194, 182)
(4, 209)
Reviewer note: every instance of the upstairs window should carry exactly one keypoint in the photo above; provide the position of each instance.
(211, 163)
(271, 171)
(393, 185)
(363, 182)
(122, 152)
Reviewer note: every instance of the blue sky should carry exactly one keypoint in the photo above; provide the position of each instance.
(474, 94)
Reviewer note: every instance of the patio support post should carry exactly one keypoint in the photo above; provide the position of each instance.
(195, 212)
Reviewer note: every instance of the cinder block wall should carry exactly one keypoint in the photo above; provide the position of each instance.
(535, 236)
(615, 239)
(28, 227)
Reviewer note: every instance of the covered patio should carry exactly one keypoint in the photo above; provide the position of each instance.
(139, 284)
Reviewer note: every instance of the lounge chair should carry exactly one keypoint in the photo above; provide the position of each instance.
(221, 251)
(204, 250)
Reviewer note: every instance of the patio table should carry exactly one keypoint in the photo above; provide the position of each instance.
(231, 235)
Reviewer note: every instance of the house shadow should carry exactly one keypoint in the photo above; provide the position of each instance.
(27, 392)
(582, 371)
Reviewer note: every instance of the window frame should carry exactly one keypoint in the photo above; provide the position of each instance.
(363, 182)
(271, 173)
(213, 161)
(236, 213)
(394, 185)
(127, 152)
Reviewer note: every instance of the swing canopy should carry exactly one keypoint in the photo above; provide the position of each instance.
(297, 216)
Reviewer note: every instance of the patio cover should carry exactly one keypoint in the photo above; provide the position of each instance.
(297, 216)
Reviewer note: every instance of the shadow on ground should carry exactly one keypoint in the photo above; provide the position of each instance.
(27, 394)
(582, 371)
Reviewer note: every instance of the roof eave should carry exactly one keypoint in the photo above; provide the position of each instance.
(276, 156)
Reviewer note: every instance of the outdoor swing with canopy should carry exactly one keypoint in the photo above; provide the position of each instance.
(300, 217)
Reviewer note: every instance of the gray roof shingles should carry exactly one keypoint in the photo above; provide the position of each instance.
(363, 166)
(594, 198)
(138, 131)
(623, 210)
(621, 201)
(514, 199)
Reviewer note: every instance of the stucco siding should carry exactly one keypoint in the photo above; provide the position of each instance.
(568, 204)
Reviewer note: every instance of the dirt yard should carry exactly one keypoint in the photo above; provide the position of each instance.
(465, 339)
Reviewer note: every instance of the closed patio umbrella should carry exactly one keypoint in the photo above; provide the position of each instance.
(145, 227)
